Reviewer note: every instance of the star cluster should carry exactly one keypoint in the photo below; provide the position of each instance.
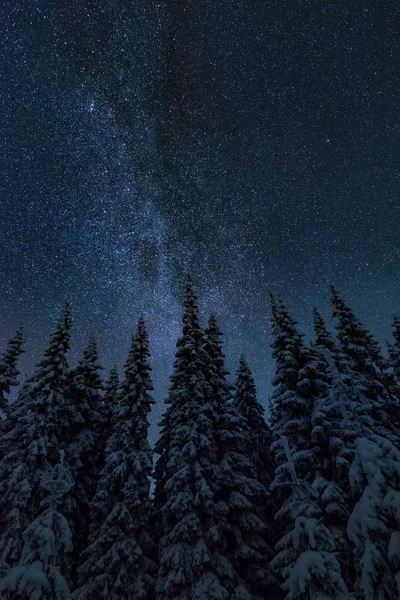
(253, 143)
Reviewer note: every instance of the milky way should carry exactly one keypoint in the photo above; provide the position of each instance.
(253, 143)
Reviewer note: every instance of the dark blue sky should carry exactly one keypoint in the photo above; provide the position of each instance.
(254, 143)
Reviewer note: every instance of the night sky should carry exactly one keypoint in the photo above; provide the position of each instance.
(253, 143)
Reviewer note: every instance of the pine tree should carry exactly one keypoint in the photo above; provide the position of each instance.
(367, 363)
(111, 391)
(292, 399)
(307, 549)
(46, 540)
(368, 466)
(240, 497)
(307, 554)
(394, 349)
(374, 525)
(343, 413)
(119, 557)
(8, 368)
(245, 400)
(85, 445)
(37, 428)
(192, 564)
(393, 406)
(323, 336)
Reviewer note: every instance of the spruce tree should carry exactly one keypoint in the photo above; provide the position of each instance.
(292, 399)
(46, 541)
(323, 337)
(307, 557)
(374, 525)
(394, 349)
(367, 465)
(367, 363)
(393, 406)
(119, 556)
(37, 428)
(192, 563)
(87, 419)
(339, 415)
(245, 400)
(240, 497)
(8, 368)
(111, 391)
(307, 549)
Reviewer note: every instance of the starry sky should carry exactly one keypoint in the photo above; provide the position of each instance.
(254, 143)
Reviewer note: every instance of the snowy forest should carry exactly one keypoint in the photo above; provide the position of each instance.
(229, 504)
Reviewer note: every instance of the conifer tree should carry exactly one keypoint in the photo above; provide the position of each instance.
(342, 414)
(393, 406)
(394, 349)
(374, 525)
(307, 556)
(307, 549)
(37, 428)
(368, 466)
(245, 400)
(46, 541)
(87, 419)
(192, 563)
(240, 495)
(111, 390)
(8, 368)
(323, 337)
(367, 363)
(292, 400)
(119, 557)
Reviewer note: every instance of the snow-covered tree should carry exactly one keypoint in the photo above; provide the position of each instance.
(356, 341)
(374, 525)
(192, 563)
(307, 554)
(38, 426)
(292, 399)
(38, 576)
(367, 363)
(326, 341)
(367, 467)
(111, 390)
(307, 549)
(84, 450)
(119, 556)
(393, 407)
(245, 400)
(240, 497)
(8, 368)
(394, 349)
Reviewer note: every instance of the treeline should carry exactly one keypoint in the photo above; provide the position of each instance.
(304, 507)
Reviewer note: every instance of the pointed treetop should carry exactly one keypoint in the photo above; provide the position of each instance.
(396, 330)
(8, 366)
(214, 349)
(355, 340)
(323, 336)
(245, 395)
(112, 383)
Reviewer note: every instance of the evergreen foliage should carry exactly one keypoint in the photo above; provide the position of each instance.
(245, 400)
(242, 498)
(320, 483)
(37, 428)
(87, 419)
(46, 541)
(119, 557)
(111, 391)
(8, 368)
(192, 565)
